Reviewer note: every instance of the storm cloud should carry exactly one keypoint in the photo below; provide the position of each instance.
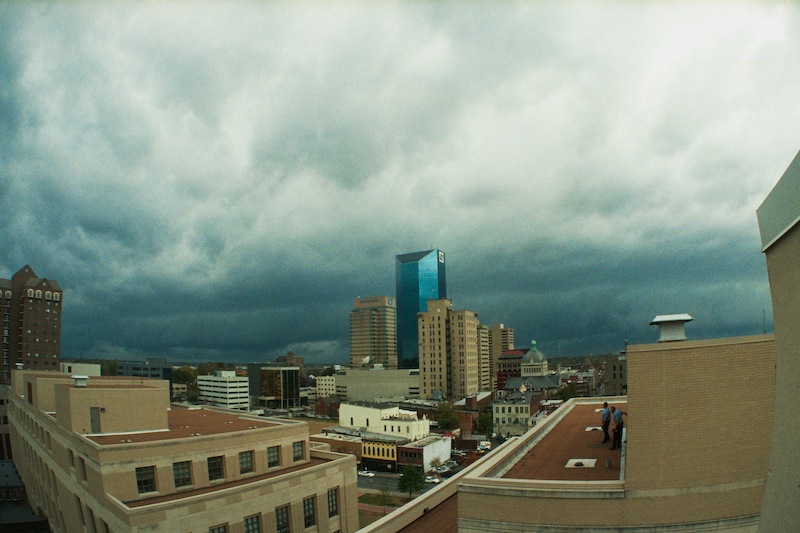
(219, 181)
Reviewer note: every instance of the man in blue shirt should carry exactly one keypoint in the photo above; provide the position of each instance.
(616, 415)
(605, 420)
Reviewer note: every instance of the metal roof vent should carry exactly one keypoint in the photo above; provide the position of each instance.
(671, 327)
(81, 381)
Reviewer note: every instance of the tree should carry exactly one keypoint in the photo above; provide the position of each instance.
(184, 374)
(446, 416)
(565, 393)
(411, 480)
(485, 423)
(436, 463)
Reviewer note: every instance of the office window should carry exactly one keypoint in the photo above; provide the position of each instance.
(146, 479)
(245, 462)
(273, 456)
(282, 519)
(222, 528)
(297, 451)
(83, 467)
(333, 502)
(252, 524)
(309, 512)
(71, 458)
(216, 468)
(182, 472)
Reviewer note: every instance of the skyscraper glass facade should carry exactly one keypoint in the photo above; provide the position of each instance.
(420, 277)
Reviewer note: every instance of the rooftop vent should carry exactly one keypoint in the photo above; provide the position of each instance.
(581, 463)
(671, 327)
(81, 381)
(19, 366)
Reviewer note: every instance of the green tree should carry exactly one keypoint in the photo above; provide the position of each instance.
(446, 416)
(184, 374)
(208, 369)
(565, 393)
(485, 423)
(411, 480)
(436, 463)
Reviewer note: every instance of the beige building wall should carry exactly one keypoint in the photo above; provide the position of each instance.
(89, 483)
(712, 391)
(778, 220)
(485, 376)
(373, 332)
(464, 351)
(372, 385)
(434, 363)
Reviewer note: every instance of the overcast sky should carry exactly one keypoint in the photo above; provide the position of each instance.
(220, 180)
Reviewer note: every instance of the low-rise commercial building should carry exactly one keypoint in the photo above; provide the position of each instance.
(91, 463)
(224, 389)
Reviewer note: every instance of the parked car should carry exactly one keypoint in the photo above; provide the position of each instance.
(366, 473)
(432, 479)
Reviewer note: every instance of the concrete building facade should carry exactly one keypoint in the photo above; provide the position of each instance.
(376, 384)
(91, 463)
(224, 389)
(30, 322)
(373, 332)
(448, 351)
(778, 220)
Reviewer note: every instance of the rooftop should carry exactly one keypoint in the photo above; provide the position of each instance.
(185, 423)
(576, 436)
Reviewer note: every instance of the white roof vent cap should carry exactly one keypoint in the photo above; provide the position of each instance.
(81, 381)
(671, 327)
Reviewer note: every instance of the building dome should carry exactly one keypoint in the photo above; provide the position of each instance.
(534, 356)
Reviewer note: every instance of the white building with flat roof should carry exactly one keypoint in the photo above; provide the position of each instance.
(224, 389)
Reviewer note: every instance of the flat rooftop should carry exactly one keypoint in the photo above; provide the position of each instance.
(569, 440)
(183, 423)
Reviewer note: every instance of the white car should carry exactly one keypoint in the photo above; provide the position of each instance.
(366, 473)
(432, 479)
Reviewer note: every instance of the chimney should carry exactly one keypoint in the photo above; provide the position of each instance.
(81, 381)
(671, 327)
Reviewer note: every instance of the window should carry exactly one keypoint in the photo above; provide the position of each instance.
(282, 519)
(252, 524)
(83, 467)
(222, 528)
(146, 479)
(309, 513)
(245, 462)
(297, 451)
(333, 502)
(71, 458)
(273, 456)
(215, 468)
(182, 472)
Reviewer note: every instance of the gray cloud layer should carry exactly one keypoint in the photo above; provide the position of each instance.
(220, 182)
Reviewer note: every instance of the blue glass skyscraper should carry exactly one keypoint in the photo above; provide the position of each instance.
(420, 276)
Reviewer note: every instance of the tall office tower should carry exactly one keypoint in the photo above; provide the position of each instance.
(501, 339)
(485, 376)
(30, 314)
(420, 277)
(373, 332)
(448, 351)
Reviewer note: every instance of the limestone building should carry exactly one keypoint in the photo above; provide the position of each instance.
(779, 222)
(376, 384)
(30, 318)
(91, 463)
(448, 351)
(373, 332)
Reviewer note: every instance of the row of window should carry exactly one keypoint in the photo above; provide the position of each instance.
(182, 470)
(252, 524)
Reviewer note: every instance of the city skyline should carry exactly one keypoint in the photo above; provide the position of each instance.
(202, 194)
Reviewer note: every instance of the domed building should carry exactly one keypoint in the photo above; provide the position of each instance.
(534, 363)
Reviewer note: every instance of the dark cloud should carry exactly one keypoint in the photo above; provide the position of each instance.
(221, 182)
